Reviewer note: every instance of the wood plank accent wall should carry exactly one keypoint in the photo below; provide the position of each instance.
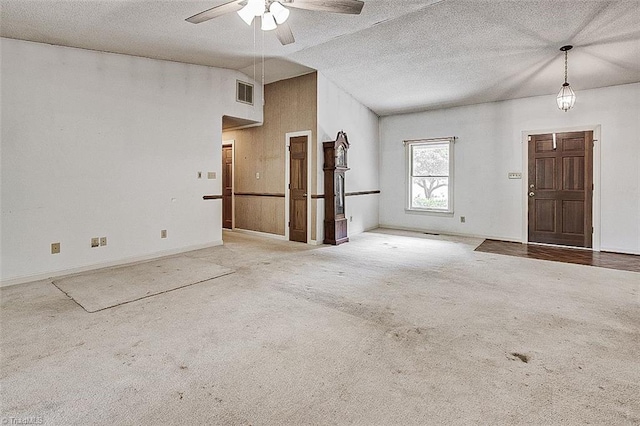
(290, 106)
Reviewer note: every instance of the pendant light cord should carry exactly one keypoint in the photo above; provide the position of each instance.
(565, 66)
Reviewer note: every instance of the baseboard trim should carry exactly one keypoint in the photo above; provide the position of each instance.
(619, 251)
(260, 234)
(91, 267)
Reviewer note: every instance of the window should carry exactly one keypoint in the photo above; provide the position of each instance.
(430, 180)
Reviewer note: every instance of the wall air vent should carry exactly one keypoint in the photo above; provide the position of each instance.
(244, 92)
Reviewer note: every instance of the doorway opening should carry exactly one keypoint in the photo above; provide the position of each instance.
(227, 185)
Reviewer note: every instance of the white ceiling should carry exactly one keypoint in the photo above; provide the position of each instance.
(397, 56)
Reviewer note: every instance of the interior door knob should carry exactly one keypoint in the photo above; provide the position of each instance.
(531, 194)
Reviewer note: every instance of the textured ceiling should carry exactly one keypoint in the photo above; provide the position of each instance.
(397, 56)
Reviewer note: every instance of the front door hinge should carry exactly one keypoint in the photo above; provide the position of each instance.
(592, 229)
(529, 138)
(289, 225)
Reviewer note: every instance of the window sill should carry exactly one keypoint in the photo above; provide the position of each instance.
(441, 213)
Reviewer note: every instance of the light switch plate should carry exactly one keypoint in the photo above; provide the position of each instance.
(103, 241)
(515, 175)
(55, 248)
(95, 242)
(211, 175)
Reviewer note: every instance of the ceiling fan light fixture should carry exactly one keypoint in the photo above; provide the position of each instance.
(268, 22)
(247, 15)
(258, 7)
(279, 12)
(566, 97)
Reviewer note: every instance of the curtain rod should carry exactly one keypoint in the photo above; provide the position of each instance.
(450, 138)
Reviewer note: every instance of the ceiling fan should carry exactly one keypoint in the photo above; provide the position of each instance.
(274, 14)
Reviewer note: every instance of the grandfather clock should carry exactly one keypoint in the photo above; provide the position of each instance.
(335, 164)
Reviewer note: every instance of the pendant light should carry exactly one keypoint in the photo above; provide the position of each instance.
(566, 97)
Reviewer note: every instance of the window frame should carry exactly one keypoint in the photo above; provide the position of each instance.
(409, 144)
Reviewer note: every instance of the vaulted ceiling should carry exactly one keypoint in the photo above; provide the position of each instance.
(397, 56)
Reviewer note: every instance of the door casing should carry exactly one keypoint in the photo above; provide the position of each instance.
(287, 181)
(233, 174)
(596, 129)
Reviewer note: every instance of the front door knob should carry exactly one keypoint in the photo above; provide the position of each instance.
(531, 194)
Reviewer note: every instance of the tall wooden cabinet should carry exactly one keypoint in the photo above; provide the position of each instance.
(335, 166)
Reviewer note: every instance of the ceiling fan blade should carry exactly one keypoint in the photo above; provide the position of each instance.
(353, 7)
(284, 34)
(214, 12)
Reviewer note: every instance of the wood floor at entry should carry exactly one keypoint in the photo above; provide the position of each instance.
(298, 189)
(561, 188)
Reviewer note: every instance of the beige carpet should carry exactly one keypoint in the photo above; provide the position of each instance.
(110, 287)
(392, 328)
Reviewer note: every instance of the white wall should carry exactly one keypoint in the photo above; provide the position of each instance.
(490, 146)
(337, 110)
(98, 144)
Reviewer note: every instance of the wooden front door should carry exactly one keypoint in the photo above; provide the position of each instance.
(298, 189)
(227, 186)
(560, 188)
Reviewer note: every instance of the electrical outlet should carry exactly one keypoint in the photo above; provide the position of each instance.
(258, 175)
(55, 248)
(103, 241)
(95, 242)
(463, 219)
(163, 233)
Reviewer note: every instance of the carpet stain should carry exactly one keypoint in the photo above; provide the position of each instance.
(374, 314)
(408, 335)
(517, 355)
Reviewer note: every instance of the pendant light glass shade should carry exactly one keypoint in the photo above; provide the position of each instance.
(268, 22)
(566, 97)
(279, 12)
